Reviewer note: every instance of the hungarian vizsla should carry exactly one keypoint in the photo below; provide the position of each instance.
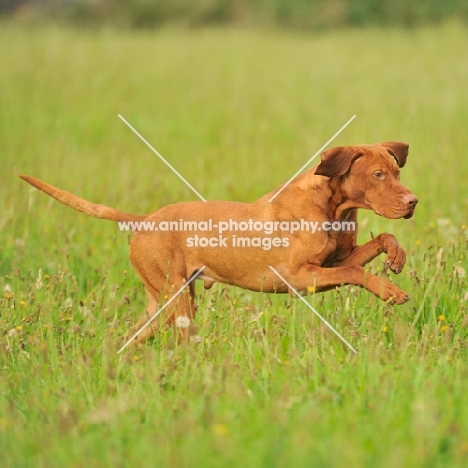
(347, 178)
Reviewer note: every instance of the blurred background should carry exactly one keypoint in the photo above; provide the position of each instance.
(237, 95)
(303, 14)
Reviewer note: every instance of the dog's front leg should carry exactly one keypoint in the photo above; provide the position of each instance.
(323, 279)
(383, 243)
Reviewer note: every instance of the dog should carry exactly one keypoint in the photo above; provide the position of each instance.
(346, 179)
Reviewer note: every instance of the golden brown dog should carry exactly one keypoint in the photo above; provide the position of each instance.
(251, 238)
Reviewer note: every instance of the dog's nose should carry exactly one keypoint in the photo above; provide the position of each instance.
(410, 199)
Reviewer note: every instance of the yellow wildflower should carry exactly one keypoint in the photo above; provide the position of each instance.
(220, 429)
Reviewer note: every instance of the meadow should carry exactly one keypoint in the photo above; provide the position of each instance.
(237, 112)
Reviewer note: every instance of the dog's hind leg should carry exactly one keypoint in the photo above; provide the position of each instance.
(152, 326)
(165, 283)
(184, 313)
(180, 312)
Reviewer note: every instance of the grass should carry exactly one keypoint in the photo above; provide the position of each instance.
(237, 113)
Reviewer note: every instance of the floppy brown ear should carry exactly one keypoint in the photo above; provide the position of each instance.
(337, 161)
(398, 150)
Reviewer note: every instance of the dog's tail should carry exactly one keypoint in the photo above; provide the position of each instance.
(80, 204)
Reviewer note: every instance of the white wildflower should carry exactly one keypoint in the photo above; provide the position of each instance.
(458, 271)
(19, 243)
(443, 222)
(39, 283)
(85, 311)
(182, 322)
(255, 317)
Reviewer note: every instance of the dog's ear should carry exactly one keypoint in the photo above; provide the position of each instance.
(398, 150)
(337, 161)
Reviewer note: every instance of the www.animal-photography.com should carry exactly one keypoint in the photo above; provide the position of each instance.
(234, 233)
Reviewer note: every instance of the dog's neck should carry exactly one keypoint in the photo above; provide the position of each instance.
(341, 207)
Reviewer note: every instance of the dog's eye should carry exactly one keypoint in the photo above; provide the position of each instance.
(378, 174)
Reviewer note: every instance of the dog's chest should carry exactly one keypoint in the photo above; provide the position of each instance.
(330, 248)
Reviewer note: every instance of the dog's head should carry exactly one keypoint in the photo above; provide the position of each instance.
(370, 177)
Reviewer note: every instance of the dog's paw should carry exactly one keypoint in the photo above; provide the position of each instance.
(396, 259)
(394, 295)
(396, 256)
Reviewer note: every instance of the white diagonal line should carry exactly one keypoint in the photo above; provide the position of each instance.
(312, 158)
(314, 311)
(161, 309)
(162, 159)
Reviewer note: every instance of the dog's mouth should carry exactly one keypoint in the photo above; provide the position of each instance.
(407, 215)
(410, 213)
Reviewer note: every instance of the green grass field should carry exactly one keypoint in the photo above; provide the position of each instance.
(237, 113)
